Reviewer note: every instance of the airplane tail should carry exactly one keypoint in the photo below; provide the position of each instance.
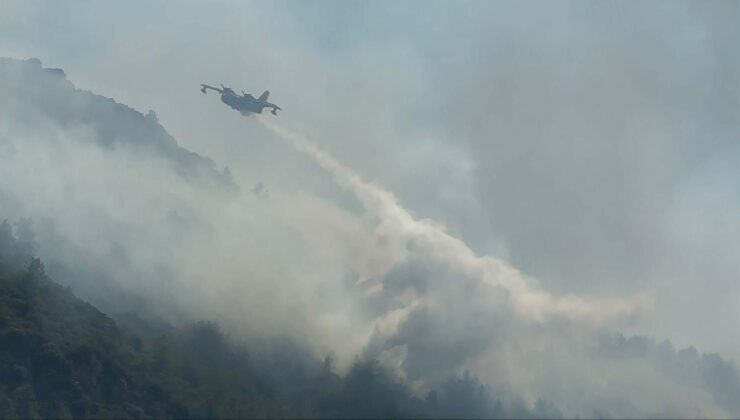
(263, 97)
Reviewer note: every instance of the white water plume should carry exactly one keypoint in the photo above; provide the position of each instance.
(396, 223)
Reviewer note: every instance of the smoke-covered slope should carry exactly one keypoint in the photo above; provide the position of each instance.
(31, 94)
(139, 226)
(74, 161)
(62, 357)
(51, 135)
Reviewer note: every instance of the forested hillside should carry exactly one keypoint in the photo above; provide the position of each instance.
(62, 357)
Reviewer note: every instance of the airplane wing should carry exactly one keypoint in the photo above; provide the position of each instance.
(263, 97)
(204, 87)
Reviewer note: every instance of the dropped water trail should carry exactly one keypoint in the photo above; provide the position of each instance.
(528, 300)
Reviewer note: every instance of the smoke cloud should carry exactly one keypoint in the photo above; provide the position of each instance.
(566, 172)
(457, 309)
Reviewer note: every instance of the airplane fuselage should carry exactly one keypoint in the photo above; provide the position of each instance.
(242, 104)
(246, 103)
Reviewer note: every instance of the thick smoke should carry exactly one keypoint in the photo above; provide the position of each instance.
(570, 130)
(440, 307)
(116, 218)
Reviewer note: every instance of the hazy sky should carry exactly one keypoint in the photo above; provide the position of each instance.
(591, 145)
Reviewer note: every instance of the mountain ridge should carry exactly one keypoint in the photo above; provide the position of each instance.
(26, 87)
